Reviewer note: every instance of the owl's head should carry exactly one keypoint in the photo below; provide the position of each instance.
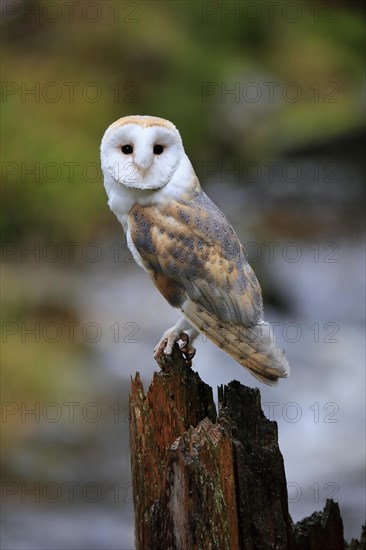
(141, 152)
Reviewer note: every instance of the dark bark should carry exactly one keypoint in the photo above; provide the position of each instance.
(208, 481)
(321, 530)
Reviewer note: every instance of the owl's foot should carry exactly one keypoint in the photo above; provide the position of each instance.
(167, 342)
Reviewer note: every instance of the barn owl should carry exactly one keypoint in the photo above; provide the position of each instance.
(186, 245)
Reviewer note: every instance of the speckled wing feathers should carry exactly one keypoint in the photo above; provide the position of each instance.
(199, 265)
(194, 246)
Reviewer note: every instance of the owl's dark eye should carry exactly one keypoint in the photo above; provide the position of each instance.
(127, 149)
(158, 149)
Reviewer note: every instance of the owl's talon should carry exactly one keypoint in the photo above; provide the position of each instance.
(188, 351)
(183, 336)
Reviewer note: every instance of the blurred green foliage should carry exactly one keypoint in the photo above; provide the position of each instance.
(160, 58)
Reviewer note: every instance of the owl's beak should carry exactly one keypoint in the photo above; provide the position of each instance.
(142, 168)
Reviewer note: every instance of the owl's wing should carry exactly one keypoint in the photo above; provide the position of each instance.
(199, 265)
(192, 252)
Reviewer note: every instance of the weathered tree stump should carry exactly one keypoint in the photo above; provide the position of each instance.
(208, 481)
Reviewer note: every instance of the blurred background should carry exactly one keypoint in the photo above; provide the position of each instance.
(269, 100)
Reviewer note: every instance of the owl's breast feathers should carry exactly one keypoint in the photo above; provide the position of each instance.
(193, 254)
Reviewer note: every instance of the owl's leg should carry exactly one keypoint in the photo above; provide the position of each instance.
(182, 331)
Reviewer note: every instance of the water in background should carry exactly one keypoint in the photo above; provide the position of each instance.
(66, 464)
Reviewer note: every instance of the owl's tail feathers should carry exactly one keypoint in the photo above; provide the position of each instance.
(257, 350)
(254, 347)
